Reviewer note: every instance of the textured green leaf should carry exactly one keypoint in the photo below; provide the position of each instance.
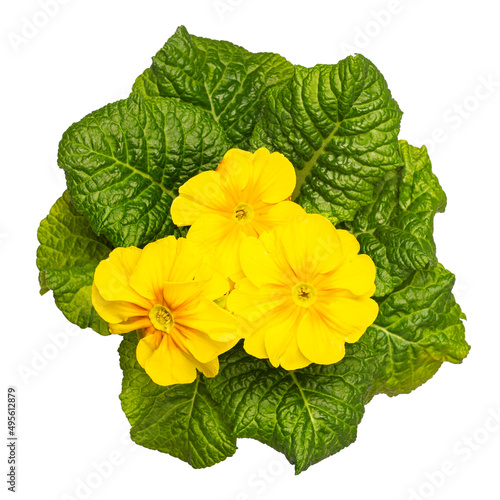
(68, 254)
(338, 125)
(306, 414)
(418, 327)
(396, 228)
(227, 80)
(125, 162)
(181, 420)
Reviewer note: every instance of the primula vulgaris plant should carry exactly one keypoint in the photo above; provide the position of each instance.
(263, 242)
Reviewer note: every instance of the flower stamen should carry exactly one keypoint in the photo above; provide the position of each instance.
(161, 318)
(243, 213)
(304, 294)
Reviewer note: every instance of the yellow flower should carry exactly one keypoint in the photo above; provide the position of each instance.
(166, 292)
(306, 293)
(245, 196)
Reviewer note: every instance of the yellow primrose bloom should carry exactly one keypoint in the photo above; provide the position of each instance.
(247, 195)
(306, 293)
(166, 292)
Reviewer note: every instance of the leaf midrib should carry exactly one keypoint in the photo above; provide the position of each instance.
(306, 170)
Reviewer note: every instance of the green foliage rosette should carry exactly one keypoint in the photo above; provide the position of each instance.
(338, 125)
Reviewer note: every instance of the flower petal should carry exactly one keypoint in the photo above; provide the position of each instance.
(272, 216)
(255, 345)
(262, 267)
(146, 349)
(199, 344)
(272, 177)
(234, 171)
(280, 338)
(135, 323)
(209, 369)
(356, 275)
(115, 311)
(317, 341)
(180, 295)
(350, 245)
(167, 259)
(209, 318)
(165, 364)
(112, 277)
(200, 195)
(252, 302)
(348, 314)
(222, 238)
(216, 286)
(311, 245)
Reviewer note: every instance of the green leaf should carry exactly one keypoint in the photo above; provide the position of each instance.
(182, 420)
(306, 414)
(396, 228)
(125, 162)
(338, 125)
(418, 327)
(68, 254)
(228, 81)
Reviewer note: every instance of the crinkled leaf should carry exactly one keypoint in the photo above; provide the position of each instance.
(125, 162)
(418, 327)
(68, 254)
(396, 228)
(227, 80)
(181, 420)
(338, 125)
(306, 414)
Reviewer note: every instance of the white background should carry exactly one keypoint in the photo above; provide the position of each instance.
(436, 57)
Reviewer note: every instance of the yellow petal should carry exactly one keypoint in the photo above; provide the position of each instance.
(209, 369)
(167, 364)
(272, 177)
(209, 318)
(252, 302)
(147, 346)
(198, 344)
(311, 245)
(356, 275)
(348, 314)
(255, 346)
(135, 323)
(115, 311)
(216, 286)
(112, 277)
(280, 338)
(272, 216)
(350, 245)
(178, 296)
(167, 259)
(261, 266)
(200, 195)
(317, 341)
(234, 171)
(220, 237)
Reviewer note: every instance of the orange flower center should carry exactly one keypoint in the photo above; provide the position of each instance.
(243, 213)
(161, 318)
(304, 294)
